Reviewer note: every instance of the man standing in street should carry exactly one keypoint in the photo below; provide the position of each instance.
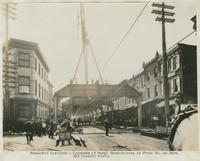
(51, 129)
(107, 126)
(29, 131)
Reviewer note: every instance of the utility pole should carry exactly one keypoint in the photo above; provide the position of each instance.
(164, 19)
(9, 13)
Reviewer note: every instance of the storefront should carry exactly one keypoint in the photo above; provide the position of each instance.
(26, 108)
(154, 111)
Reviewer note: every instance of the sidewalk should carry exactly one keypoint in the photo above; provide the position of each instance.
(157, 133)
(146, 131)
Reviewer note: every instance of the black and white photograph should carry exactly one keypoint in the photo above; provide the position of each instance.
(99, 76)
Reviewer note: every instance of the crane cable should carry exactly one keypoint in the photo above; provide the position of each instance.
(121, 41)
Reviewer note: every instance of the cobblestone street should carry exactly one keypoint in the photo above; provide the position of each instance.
(95, 140)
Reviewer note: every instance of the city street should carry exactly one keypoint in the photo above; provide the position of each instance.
(95, 140)
(108, 76)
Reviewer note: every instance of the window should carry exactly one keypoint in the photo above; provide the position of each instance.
(161, 68)
(24, 81)
(174, 63)
(35, 87)
(44, 76)
(141, 79)
(39, 90)
(170, 87)
(142, 94)
(169, 65)
(148, 76)
(175, 85)
(39, 68)
(42, 73)
(24, 84)
(156, 90)
(130, 100)
(35, 64)
(47, 96)
(42, 93)
(155, 72)
(148, 92)
(24, 59)
(162, 89)
(137, 86)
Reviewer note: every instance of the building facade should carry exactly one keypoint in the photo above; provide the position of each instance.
(182, 80)
(31, 90)
(50, 100)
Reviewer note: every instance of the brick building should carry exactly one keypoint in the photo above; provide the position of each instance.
(182, 79)
(30, 89)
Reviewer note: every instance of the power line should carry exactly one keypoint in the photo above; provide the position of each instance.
(131, 78)
(121, 41)
(181, 40)
(86, 110)
(114, 92)
(125, 35)
(174, 45)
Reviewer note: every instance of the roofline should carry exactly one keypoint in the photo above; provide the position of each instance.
(35, 47)
(160, 58)
(139, 73)
(50, 83)
(151, 61)
(178, 45)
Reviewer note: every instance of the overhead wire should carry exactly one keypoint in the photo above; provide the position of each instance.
(120, 42)
(86, 110)
(181, 40)
(124, 37)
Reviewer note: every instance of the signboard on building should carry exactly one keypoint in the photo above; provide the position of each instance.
(24, 89)
(162, 104)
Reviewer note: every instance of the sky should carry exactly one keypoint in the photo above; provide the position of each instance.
(55, 27)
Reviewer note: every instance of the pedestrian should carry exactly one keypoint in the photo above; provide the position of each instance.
(44, 128)
(32, 127)
(51, 129)
(64, 133)
(39, 128)
(107, 126)
(28, 130)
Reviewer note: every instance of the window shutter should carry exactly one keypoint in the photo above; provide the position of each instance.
(178, 62)
(171, 86)
(178, 83)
